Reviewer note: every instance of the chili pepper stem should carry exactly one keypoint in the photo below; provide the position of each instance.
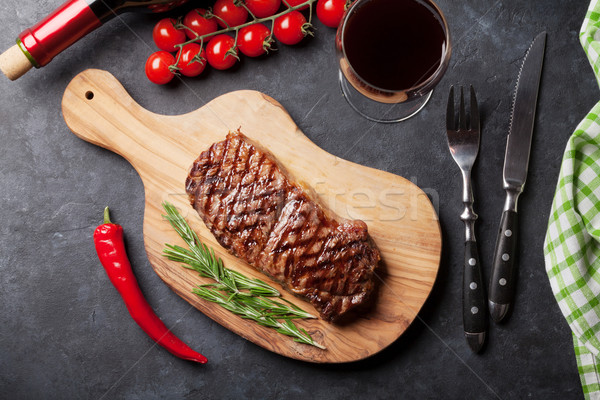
(107, 216)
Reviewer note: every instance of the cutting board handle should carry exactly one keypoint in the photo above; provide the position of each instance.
(98, 109)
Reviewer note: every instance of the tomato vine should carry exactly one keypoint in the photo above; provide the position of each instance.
(241, 30)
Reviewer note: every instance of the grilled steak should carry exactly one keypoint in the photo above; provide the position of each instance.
(261, 215)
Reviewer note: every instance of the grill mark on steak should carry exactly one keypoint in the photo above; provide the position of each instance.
(262, 216)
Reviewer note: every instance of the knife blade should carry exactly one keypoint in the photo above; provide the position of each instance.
(516, 162)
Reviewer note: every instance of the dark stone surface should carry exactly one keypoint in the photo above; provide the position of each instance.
(64, 331)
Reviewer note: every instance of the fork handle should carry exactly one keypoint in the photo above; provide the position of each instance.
(502, 283)
(474, 304)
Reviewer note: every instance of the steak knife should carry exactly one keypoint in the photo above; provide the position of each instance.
(516, 160)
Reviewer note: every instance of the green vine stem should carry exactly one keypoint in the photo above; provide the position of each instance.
(306, 29)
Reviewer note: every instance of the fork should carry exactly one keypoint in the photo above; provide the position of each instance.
(463, 142)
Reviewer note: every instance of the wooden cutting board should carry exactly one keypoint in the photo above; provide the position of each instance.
(400, 217)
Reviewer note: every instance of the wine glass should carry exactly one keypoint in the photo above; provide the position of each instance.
(391, 54)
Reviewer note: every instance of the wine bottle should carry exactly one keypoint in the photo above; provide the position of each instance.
(38, 45)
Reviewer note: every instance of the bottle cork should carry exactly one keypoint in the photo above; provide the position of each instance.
(14, 63)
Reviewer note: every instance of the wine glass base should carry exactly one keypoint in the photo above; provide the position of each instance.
(380, 112)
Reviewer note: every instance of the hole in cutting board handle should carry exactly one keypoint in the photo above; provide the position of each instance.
(89, 95)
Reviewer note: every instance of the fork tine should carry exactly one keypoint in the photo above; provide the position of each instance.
(462, 119)
(450, 124)
(474, 110)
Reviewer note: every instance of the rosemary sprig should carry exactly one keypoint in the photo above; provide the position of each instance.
(246, 311)
(203, 260)
(249, 298)
(268, 307)
(209, 266)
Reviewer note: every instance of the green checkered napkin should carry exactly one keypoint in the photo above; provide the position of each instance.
(572, 245)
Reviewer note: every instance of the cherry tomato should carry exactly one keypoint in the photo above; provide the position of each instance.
(192, 60)
(263, 8)
(198, 24)
(166, 36)
(216, 52)
(157, 67)
(330, 12)
(294, 3)
(289, 28)
(252, 40)
(230, 13)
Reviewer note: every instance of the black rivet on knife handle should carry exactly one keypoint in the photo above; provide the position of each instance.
(502, 282)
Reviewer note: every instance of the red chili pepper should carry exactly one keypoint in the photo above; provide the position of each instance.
(108, 239)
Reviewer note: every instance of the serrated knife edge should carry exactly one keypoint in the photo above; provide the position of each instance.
(518, 143)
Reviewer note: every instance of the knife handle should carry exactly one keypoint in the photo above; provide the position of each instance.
(502, 282)
(474, 305)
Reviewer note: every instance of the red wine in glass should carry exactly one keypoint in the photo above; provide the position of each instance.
(392, 53)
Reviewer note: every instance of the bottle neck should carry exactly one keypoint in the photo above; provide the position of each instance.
(75, 19)
(63, 27)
